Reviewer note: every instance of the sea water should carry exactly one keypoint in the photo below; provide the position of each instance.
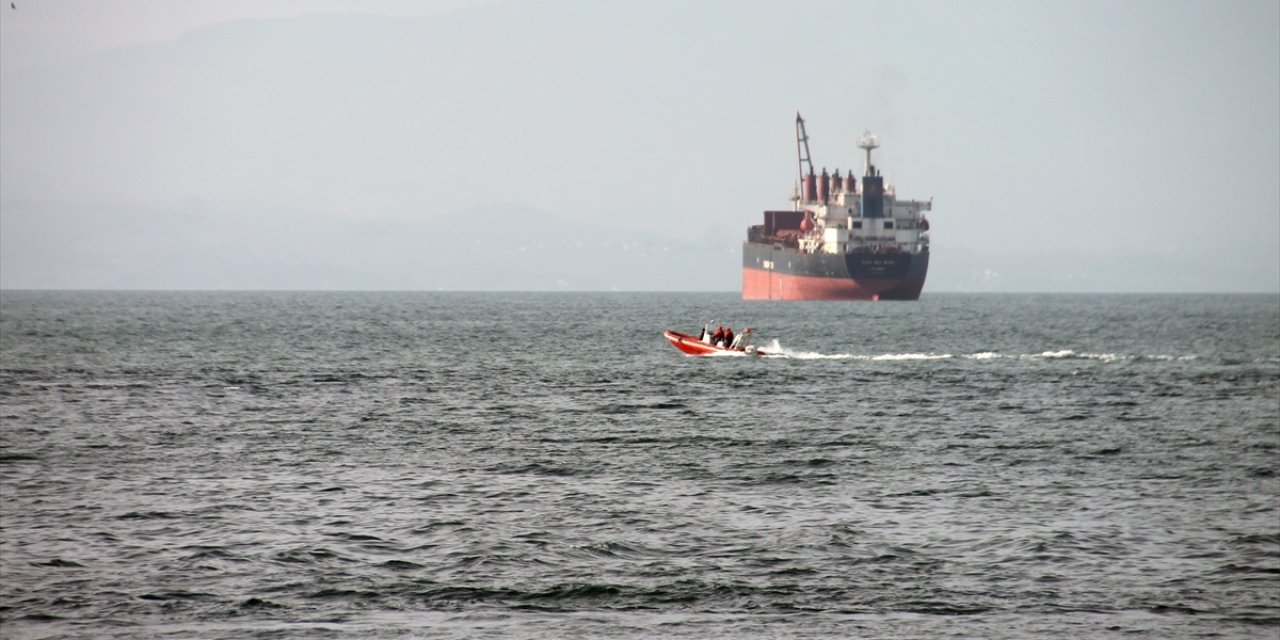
(525, 465)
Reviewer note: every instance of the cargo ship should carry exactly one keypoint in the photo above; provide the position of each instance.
(841, 240)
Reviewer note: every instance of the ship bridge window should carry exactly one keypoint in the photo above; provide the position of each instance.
(857, 224)
(888, 224)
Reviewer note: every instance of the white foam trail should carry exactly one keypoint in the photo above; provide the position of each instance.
(775, 348)
(1166, 358)
(913, 356)
(809, 355)
(1067, 354)
(1058, 355)
(985, 355)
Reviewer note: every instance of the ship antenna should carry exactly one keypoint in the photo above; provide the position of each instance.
(868, 141)
(802, 147)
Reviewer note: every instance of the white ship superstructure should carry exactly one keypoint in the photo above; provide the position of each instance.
(844, 219)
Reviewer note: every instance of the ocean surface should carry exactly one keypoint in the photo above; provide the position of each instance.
(476, 465)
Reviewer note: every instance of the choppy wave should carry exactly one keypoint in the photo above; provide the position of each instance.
(339, 465)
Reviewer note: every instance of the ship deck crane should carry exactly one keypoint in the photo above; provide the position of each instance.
(802, 150)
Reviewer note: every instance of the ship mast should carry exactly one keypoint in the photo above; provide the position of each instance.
(868, 141)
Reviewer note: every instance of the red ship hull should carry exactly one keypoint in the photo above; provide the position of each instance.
(772, 285)
(772, 274)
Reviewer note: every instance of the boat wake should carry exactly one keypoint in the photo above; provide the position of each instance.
(776, 349)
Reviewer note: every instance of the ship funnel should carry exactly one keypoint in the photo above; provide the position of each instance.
(824, 186)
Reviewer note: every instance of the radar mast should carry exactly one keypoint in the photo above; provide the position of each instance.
(868, 141)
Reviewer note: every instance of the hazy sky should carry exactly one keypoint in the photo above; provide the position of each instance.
(585, 144)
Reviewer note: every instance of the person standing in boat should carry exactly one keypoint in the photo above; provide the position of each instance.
(728, 337)
(717, 338)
